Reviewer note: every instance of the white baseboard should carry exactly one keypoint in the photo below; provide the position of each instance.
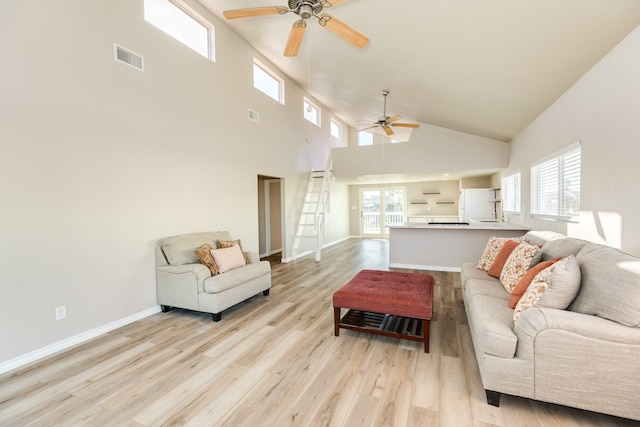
(424, 267)
(70, 342)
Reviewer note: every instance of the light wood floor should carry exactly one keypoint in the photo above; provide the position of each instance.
(273, 361)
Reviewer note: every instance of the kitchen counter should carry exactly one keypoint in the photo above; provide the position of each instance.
(443, 247)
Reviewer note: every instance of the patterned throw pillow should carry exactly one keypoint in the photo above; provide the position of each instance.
(228, 243)
(554, 287)
(526, 280)
(203, 253)
(519, 262)
(491, 251)
(501, 259)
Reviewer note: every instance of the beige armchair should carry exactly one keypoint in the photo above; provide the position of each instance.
(183, 282)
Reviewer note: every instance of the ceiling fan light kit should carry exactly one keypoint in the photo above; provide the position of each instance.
(305, 9)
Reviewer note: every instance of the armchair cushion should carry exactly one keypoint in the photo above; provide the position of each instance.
(179, 249)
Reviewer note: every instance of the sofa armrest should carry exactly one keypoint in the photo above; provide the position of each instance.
(179, 285)
(573, 351)
(535, 321)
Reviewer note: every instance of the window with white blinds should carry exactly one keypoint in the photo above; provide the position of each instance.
(555, 185)
(511, 193)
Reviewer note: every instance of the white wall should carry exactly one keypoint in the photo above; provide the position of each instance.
(99, 160)
(431, 150)
(602, 110)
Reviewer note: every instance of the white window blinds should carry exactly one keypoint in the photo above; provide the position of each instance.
(511, 193)
(555, 185)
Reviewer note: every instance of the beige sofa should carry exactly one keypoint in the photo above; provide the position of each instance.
(587, 356)
(183, 282)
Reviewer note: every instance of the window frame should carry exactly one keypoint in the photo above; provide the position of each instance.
(544, 172)
(193, 15)
(306, 103)
(270, 73)
(511, 193)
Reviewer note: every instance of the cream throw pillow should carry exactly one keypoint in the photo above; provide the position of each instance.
(519, 262)
(228, 258)
(554, 287)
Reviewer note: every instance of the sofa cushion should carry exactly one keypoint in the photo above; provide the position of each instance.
(488, 288)
(228, 258)
(469, 271)
(520, 261)
(560, 248)
(539, 238)
(203, 253)
(492, 249)
(179, 249)
(235, 277)
(524, 283)
(554, 287)
(610, 284)
(493, 326)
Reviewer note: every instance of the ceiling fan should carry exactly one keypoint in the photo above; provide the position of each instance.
(305, 9)
(385, 122)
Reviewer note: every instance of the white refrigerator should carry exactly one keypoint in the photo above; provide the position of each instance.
(476, 203)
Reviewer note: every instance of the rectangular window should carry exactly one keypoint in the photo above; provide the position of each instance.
(336, 130)
(555, 185)
(311, 112)
(365, 138)
(268, 82)
(511, 193)
(184, 26)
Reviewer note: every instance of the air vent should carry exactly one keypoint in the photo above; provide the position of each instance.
(128, 57)
(254, 116)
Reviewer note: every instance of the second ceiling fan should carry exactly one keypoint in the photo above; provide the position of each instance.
(385, 122)
(305, 9)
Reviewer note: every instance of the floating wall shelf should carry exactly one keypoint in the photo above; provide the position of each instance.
(419, 203)
(430, 192)
(447, 202)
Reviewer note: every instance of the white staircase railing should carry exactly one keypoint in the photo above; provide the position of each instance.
(311, 225)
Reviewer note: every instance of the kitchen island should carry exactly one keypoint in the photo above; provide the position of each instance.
(443, 247)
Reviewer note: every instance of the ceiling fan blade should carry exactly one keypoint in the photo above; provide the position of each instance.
(254, 11)
(367, 128)
(344, 31)
(295, 38)
(393, 119)
(387, 130)
(406, 125)
(329, 3)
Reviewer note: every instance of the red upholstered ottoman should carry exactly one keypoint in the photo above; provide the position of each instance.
(386, 303)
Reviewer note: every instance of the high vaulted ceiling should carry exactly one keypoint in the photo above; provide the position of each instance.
(484, 67)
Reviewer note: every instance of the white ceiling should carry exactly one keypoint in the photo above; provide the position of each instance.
(484, 67)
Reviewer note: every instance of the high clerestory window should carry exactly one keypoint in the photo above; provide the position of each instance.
(183, 24)
(555, 185)
(311, 112)
(267, 81)
(365, 138)
(336, 130)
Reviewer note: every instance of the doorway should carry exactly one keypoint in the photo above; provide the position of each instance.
(380, 207)
(270, 215)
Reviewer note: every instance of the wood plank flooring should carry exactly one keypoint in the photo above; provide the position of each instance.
(274, 361)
